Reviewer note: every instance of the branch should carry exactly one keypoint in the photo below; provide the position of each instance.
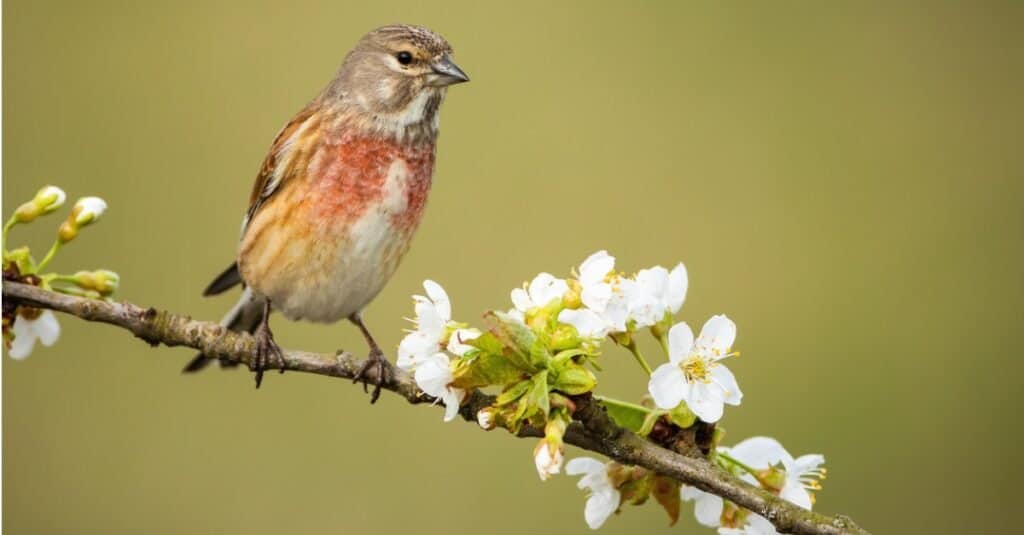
(594, 430)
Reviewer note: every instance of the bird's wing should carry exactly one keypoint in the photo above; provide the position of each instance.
(280, 163)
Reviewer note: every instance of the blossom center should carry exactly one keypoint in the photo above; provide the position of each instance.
(697, 368)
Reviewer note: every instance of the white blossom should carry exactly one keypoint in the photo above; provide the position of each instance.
(603, 499)
(433, 316)
(802, 474)
(434, 376)
(657, 292)
(694, 373)
(542, 290)
(26, 331)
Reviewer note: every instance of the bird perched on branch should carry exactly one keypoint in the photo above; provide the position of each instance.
(341, 193)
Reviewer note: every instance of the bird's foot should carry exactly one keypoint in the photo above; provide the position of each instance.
(380, 374)
(268, 353)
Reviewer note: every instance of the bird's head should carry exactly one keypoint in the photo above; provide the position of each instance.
(398, 74)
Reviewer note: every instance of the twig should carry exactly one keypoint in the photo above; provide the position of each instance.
(594, 430)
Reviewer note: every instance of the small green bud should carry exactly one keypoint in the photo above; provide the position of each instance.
(574, 380)
(46, 200)
(102, 281)
(49, 198)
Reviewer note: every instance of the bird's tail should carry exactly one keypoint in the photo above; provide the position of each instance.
(245, 316)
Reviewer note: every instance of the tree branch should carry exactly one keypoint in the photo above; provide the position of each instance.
(594, 430)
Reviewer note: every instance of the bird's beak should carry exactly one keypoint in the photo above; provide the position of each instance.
(446, 72)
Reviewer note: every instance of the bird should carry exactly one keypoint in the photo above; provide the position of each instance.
(340, 194)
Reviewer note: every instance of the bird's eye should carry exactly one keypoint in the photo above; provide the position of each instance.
(404, 57)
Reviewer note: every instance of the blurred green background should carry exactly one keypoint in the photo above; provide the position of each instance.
(845, 180)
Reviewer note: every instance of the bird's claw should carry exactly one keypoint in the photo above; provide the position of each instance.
(381, 373)
(267, 353)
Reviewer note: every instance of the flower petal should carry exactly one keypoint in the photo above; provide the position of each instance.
(668, 386)
(457, 345)
(793, 491)
(433, 375)
(414, 348)
(428, 317)
(24, 338)
(759, 452)
(595, 296)
(521, 300)
(47, 328)
(452, 398)
(596, 267)
(545, 288)
(708, 509)
(724, 379)
(600, 506)
(587, 323)
(718, 335)
(680, 342)
(678, 282)
(583, 465)
(705, 401)
(440, 298)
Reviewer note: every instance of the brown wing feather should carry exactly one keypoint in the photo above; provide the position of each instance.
(270, 179)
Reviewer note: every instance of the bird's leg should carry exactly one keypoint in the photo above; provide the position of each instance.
(267, 350)
(375, 360)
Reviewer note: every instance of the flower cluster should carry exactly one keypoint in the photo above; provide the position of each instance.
(24, 326)
(541, 355)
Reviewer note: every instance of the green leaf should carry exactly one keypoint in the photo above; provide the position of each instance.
(538, 396)
(516, 339)
(626, 415)
(485, 369)
(513, 392)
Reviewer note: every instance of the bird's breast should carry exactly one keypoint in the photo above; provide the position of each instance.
(343, 227)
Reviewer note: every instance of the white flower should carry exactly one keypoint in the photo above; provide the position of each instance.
(802, 474)
(657, 292)
(433, 314)
(604, 497)
(26, 331)
(88, 209)
(694, 372)
(433, 376)
(543, 289)
(457, 341)
(548, 462)
(604, 291)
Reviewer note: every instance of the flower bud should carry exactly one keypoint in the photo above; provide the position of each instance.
(46, 200)
(102, 281)
(575, 380)
(485, 417)
(88, 210)
(50, 198)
